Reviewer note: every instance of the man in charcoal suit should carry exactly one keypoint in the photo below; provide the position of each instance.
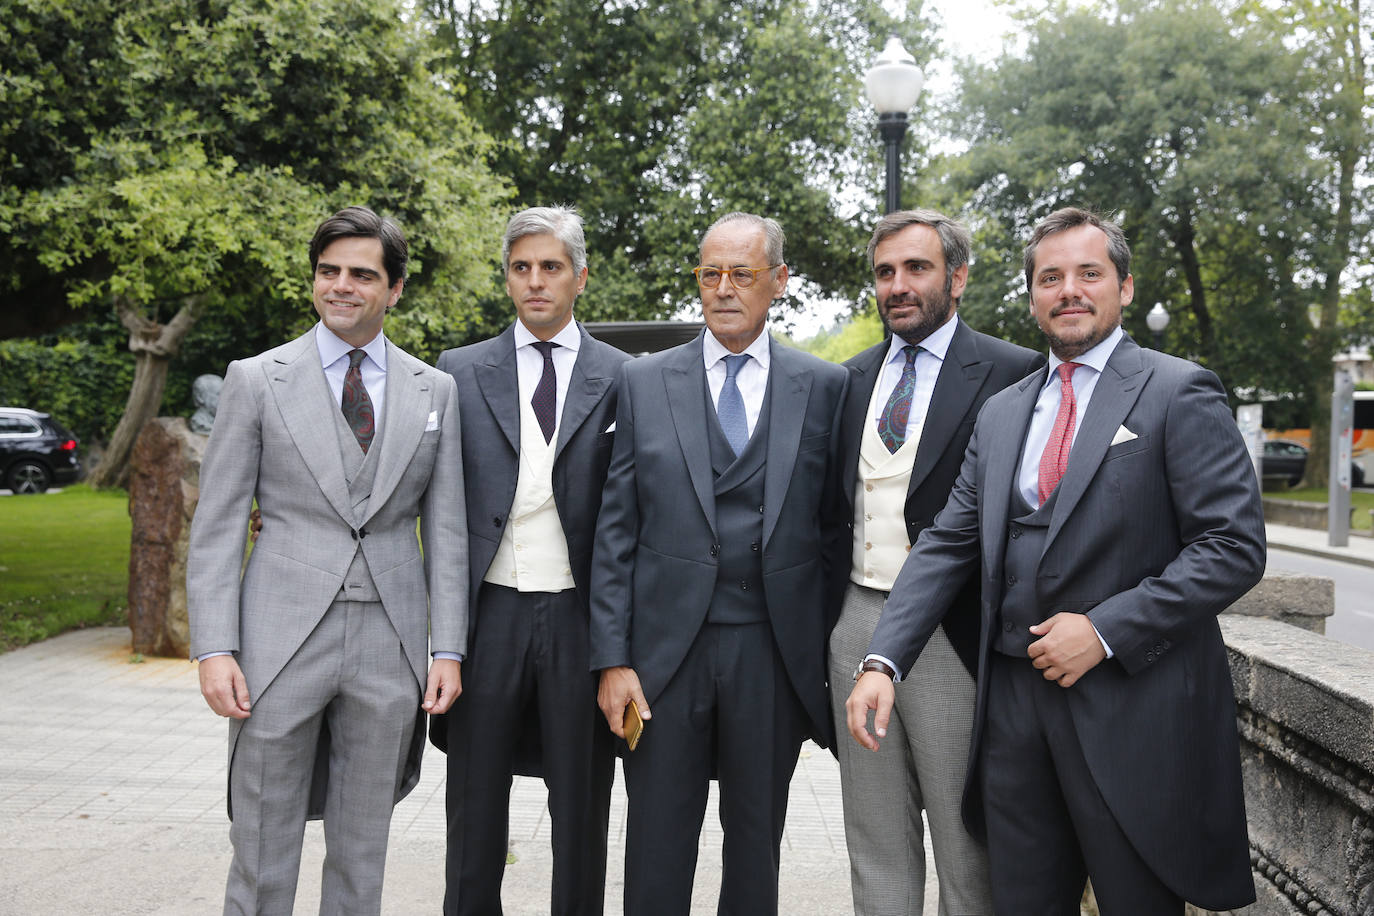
(538, 423)
(708, 579)
(1110, 507)
(318, 652)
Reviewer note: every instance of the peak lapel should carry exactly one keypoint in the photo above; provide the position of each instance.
(863, 378)
(586, 387)
(1008, 433)
(1115, 393)
(684, 379)
(499, 382)
(791, 390)
(304, 401)
(409, 399)
(961, 378)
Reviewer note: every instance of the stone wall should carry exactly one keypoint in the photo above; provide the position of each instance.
(1306, 717)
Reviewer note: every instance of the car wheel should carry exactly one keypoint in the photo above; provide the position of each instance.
(28, 477)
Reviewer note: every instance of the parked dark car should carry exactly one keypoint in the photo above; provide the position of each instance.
(1288, 459)
(35, 451)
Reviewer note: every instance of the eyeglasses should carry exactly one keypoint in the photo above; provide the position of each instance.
(740, 277)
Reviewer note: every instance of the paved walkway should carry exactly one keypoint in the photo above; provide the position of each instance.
(1359, 548)
(112, 781)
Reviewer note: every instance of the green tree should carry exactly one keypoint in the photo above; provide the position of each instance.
(654, 118)
(1196, 125)
(168, 159)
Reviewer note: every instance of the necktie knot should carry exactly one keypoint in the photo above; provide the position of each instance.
(545, 347)
(355, 358)
(1066, 374)
(910, 353)
(734, 363)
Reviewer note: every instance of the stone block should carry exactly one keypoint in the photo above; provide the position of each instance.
(1303, 601)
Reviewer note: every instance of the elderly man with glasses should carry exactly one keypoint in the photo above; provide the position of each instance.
(708, 579)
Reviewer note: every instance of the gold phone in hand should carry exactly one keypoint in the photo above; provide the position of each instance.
(634, 725)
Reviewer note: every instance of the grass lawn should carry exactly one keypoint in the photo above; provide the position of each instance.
(64, 563)
(1362, 500)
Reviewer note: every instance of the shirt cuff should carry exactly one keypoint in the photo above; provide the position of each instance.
(448, 656)
(201, 658)
(1105, 648)
(874, 656)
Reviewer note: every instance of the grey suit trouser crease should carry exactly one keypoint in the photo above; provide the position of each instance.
(351, 676)
(919, 766)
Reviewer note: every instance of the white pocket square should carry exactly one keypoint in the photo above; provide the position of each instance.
(1123, 435)
(611, 428)
(433, 422)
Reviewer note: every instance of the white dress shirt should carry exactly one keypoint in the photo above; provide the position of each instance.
(334, 357)
(930, 356)
(752, 378)
(529, 362)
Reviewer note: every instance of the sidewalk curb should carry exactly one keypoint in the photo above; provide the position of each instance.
(1330, 553)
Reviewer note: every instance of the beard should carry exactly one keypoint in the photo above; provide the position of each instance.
(931, 313)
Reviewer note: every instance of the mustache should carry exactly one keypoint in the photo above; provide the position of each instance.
(904, 299)
(1075, 304)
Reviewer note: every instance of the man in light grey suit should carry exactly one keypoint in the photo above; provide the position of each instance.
(1111, 507)
(708, 579)
(907, 418)
(538, 416)
(318, 652)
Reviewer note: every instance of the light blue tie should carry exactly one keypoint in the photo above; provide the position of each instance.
(730, 406)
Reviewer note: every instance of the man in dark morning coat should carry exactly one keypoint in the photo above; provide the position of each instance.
(894, 481)
(538, 427)
(1111, 509)
(708, 579)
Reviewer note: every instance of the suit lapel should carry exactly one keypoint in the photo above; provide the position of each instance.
(586, 387)
(409, 399)
(499, 382)
(863, 378)
(791, 390)
(305, 403)
(684, 378)
(1112, 398)
(1008, 428)
(961, 378)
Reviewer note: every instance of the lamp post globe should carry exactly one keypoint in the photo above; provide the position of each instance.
(1157, 319)
(893, 84)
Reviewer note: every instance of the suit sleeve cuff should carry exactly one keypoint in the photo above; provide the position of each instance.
(873, 656)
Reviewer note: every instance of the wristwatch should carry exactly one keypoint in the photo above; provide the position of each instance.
(873, 664)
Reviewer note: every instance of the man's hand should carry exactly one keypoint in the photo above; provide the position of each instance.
(618, 687)
(1067, 649)
(224, 687)
(873, 691)
(445, 683)
(254, 525)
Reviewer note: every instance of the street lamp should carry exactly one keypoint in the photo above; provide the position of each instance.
(893, 84)
(1157, 319)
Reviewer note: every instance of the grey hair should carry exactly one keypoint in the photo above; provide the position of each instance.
(954, 237)
(772, 233)
(562, 223)
(1071, 218)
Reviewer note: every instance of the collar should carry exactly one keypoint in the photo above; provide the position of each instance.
(936, 342)
(713, 351)
(570, 337)
(333, 348)
(1096, 358)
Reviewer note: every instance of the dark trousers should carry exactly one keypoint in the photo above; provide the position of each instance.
(731, 712)
(1048, 827)
(527, 669)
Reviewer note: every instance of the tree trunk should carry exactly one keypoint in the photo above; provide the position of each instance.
(153, 346)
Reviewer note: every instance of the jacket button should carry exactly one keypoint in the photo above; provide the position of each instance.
(1015, 532)
(760, 510)
(715, 550)
(1007, 627)
(1011, 580)
(743, 586)
(754, 547)
(496, 520)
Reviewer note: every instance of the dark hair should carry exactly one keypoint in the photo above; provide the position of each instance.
(954, 238)
(1071, 218)
(360, 222)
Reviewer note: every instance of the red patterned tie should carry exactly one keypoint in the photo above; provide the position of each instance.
(357, 406)
(1055, 459)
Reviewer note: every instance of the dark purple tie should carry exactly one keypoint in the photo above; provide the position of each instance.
(357, 406)
(545, 400)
